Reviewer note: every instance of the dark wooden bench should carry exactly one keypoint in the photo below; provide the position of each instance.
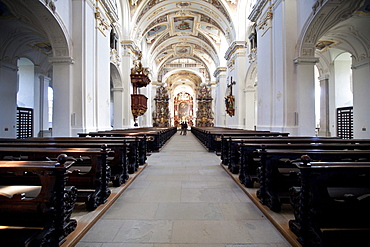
(278, 173)
(129, 152)
(211, 136)
(41, 218)
(159, 135)
(230, 145)
(331, 204)
(89, 173)
(244, 159)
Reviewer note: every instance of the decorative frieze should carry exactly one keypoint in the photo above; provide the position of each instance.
(66, 60)
(234, 48)
(101, 24)
(257, 10)
(219, 71)
(110, 7)
(252, 55)
(317, 5)
(114, 57)
(50, 4)
(279, 95)
(156, 13)
(130, 47)
(231, 64)
(183, 5)
(306, 60)
(364, 62)
(60, 52)
(265, 23)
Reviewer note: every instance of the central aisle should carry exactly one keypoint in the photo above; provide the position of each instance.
(183, 198)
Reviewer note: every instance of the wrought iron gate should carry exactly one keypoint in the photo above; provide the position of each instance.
(24, 122)
(345, 122)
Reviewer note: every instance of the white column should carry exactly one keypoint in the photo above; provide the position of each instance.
(118, 107)
(8, 99)
(62, 117)
(41, 106)
(264, 77)
(102, 82)
(128, 119)
(324, 107)
(305, 116)
(250, 108)
(361, 99)
(220, 108)
(83, 105)
(238, 90)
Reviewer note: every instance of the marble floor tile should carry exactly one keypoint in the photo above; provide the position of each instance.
(145, 231)
(189, 211)
(183, 198)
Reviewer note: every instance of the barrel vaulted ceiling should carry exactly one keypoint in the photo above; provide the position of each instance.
(189, 37)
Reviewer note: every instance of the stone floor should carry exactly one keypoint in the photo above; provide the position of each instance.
(183, 198)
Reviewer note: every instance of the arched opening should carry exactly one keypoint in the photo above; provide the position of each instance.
(25, 99)
(343, 80)
(343, 96)
(35, 96)
(25, 94)
(183, 105)
(50, 107)
(116, 98)
(317, 100)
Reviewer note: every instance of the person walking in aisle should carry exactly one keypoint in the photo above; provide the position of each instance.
(185, 127)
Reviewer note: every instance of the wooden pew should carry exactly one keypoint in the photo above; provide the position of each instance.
(160, 135)
(278, 173)
(230, 145)
(331, 204)
(129, 152)
(211, 136)
(42, 219)
(245, 160)
(89, 174)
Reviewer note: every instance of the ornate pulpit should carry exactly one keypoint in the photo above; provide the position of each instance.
(139, 78)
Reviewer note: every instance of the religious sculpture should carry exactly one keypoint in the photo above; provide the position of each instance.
(230, 99)
(161, 114)
(204, 113)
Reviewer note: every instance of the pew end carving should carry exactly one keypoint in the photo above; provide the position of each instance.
(42, 219)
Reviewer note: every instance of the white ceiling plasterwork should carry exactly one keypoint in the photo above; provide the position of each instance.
(191, 29)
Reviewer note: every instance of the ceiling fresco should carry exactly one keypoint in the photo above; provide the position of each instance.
(197, 29)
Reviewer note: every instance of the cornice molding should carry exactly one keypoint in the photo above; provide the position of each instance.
(101, 24)
(306, 60)
(129, 44)
(257, 10)
(219, 70)
(234, 47)
(110, 10)
(265, 23)
(361, 64)
(59, 60)
(8, 66)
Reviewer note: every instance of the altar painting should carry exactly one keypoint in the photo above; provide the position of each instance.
(183, 107)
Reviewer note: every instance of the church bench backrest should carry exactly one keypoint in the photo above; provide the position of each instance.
(48, 213)
(331, 195)
(278, 172)
(94, 180)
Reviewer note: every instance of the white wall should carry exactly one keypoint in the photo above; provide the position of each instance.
(343, 81)
(26, 92)
(8, 100)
